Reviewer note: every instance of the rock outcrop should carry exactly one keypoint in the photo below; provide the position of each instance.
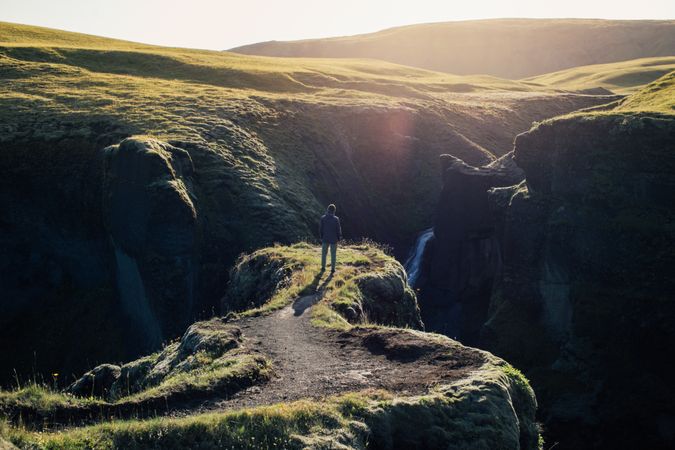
(571, 273)
(463, 258)
(378, 290)
(366, 386)
(150, 217)
(585, 299)
(208, 360)
(97, 382)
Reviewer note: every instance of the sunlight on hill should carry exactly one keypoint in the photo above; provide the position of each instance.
(509, 48)
(26, 51)
(622, 77)
(659, 96)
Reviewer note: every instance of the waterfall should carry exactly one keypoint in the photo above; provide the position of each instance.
(413, 264)
(134, 301)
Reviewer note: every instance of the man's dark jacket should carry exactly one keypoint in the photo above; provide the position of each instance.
(329, 229)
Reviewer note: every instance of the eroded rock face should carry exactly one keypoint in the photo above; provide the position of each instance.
(463, 258)
(586, 299)
(386, 298)
(571, 273)
(151, 220)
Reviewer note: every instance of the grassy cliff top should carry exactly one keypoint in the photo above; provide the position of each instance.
(622, 77)
(658, 96)
(369, 287)
(429, 390)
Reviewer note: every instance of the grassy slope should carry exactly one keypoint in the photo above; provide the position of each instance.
(80, 56)
(58, 84)
(622, 77)
(268, 118)
(658, 96)
(511, 48)
(478, 410)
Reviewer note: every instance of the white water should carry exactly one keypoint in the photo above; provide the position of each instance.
(413, 264)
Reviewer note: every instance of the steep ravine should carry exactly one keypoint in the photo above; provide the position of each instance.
(116, 234)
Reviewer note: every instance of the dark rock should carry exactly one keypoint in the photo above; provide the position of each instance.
(149, 214)
(253, 281)
(212, 337)
(132, 377)
(463, 257)
(97, 382)
(386, 298)
(584, 303)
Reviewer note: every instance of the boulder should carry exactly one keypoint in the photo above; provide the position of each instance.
(97, 382)
(386, 298)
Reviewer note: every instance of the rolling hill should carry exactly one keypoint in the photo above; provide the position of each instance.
(509, 48)
(623, 77)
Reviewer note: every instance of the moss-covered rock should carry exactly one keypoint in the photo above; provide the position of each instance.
(369, 286)
(97, 382)
(585, 302)
(208, 359)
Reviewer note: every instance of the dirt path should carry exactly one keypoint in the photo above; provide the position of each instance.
(311, 362)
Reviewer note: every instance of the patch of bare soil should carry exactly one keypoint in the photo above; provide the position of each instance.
(312, 362)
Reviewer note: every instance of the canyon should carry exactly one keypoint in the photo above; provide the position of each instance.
(153, 200)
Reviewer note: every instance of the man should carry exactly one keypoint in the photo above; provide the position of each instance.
(330, 233)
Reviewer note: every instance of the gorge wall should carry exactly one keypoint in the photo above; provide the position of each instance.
(568, 274)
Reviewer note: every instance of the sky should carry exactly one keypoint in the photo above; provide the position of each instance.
(219, 25)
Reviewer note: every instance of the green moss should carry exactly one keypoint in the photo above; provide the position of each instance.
(516, 375)
(41, 398)
(207, 376)
(368, 287)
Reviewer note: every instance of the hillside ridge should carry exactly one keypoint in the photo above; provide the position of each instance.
(508, 48)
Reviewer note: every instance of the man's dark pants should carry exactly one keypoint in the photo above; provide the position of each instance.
(333, 254)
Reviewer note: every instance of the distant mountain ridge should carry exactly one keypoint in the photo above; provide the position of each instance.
(510, 48)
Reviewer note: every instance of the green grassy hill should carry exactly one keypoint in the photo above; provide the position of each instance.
(20, 45)
(238, 152)
(510, 48)
(622, 77)
(658, 96)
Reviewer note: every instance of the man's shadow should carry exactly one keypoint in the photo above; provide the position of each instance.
(316, 293)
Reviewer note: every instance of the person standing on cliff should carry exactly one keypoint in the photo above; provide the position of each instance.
(330, 233)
